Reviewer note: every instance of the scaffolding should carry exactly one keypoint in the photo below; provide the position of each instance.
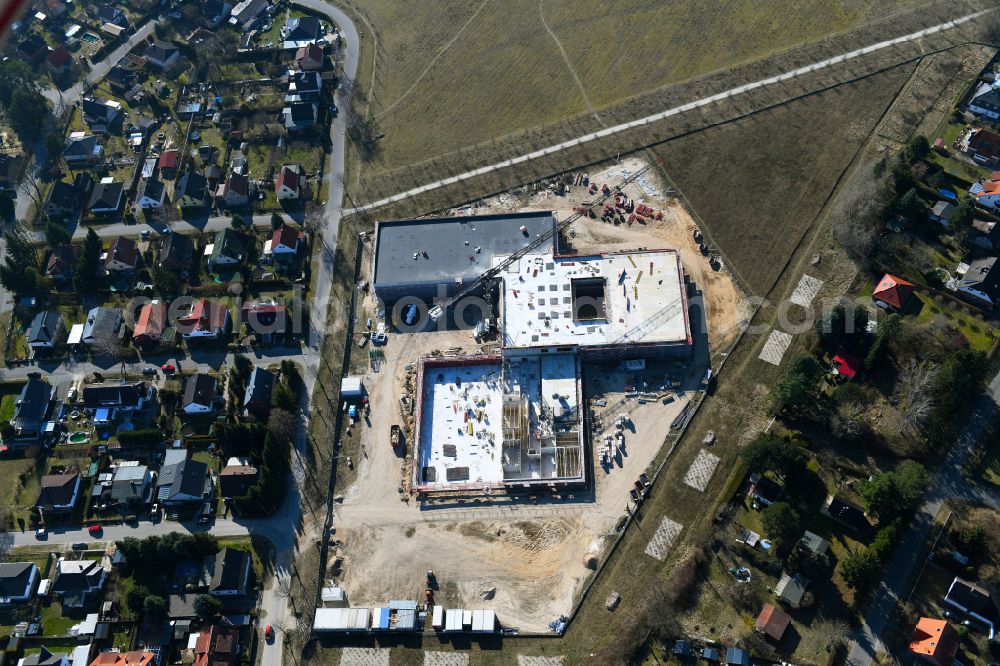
(515, 429)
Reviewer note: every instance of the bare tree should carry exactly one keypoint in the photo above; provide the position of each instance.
(30, 188)
(914, 394)
(108, 344)
(858, 215)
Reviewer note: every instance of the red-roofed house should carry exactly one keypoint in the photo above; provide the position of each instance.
(984, 147)
(309, 57)
(169, 160)
(892, 293)
(264, 320)
(934, 641)
(62, 263)
(133, 658)
(285, 241)
(772, 622)
(987, 192)
(234, 192)
(217, 646)
(58, 61)
(287, 186)
(207, 319)
(150, 325)
(123, 256)
(847, 364)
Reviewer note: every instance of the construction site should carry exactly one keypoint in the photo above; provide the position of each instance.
(504, 454)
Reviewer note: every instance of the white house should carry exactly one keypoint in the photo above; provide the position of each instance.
(287, 185)
(285, 241)
(987, 192)
(17, 582)
(986, 102)
(207, 319)
(162, 54)
(151, 195)
(46, 330)
(200, 391)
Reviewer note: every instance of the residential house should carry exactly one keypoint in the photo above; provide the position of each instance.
(791, 589)
(288, 185)
(191, 190)
(284, 242)
(107, 199)
(234, 192)
(257, 397)
(44, 657)
(979, 284)
(151, 326)
(772, 622)
(151, 194)
(176, 253)
(102, 325)
(58, 494)
(813, 543)
(972, 600)
(737, 657)
(200, 393)
(47, 330)
(131, 486)
(892, 293)
(987, 191)
(184, 482)
(82, 150)
(763, 490)
(300, 31)
(107, 402)
(236, 479)
(230, 570)
(78, 581)
(59, 61)
(108, 13)
(229, 250)
(207, 319)
(169, 160)
(299, 116)
(122, 256)
(131, 658)
(217, 645)
(986, 102)
(18, 581)
(100, 115)
(62, 200)
(215, 12)
(942, 213)
(845, 513)
(986, 234)
(309, 57)
(31, 409)
(983, 146)
(121, 79)
(247, 14)
(162, 54)
(62, 263)
(265, 321)
(304, 87)
(934, 641)
(33, 48)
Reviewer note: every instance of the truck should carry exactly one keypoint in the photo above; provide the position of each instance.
(395, 436)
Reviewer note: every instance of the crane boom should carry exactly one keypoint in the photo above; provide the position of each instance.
(490, 275)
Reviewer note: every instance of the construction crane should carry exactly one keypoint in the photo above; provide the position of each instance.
(491, 275)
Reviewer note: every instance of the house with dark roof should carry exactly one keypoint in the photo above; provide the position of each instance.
(845, 513)
(151, 194)
(151, 326)
(176, 253)
(185, 482)
(986, 103)
(116, 399)
(300, 116)
(772, 622)
(109, 13)
(62, 200)
(45, 657)
(31, 409)
(206, 319)
(58, 493)
(299, 31)
(791, 588)
(47, 330)
(265, 321)
(102, 324)
(309, 57)
(934, 641)
(122, 256)
(236, 480)
(192, 190)
(737, 657)
(120, 78)
(892, 293)
(200, 393)
(18, 581)
(78, 581)
(228, 250)
(974, 601)
(983, 146)
(82, 150)
(980, 282)
(285, 242)
(59, 61)
(234, 192)
(33, 48)
(942, 213)
(107, 199)
(246, 14)
(61, 264)
(168, 162)
(287, 185)
(215, 12)
(100, 115)
(257, 397)
(162, 54)
(230, 569)
(304, 87)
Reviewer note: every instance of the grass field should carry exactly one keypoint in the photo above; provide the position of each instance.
(504, 67)
(758, 183)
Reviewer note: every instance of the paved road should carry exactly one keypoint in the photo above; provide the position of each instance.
(662, 115)
(948, 483)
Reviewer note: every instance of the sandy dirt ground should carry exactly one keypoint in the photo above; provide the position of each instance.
(525, 558)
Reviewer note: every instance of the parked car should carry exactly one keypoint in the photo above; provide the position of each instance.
(168, 368)
(41, 534)
(95, 530)
(80, 545)
(269, 634)
(149, 371)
